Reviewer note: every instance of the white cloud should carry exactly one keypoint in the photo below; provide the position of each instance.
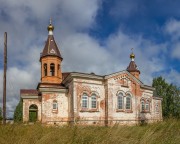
(149, 55)
(172, 76)
(172, 27)
(176, 50)
(18, 79)
(83, 53)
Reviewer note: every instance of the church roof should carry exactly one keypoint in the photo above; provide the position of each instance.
(51, 48)
(132, 67)
(29, 92)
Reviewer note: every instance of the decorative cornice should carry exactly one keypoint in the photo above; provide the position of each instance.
(82, 75)
(121, 72)
(158, 98)
(29, 97)
(44, 90)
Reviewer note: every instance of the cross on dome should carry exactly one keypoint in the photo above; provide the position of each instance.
(50, 28)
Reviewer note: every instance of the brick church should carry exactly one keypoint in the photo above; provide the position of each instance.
(87, 98)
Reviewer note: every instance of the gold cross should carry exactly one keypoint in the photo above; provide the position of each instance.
(50, 20)
(132, 49)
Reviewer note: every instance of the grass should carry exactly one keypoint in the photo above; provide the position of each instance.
(166, 132)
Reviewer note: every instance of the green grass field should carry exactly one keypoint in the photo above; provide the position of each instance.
(167, 132)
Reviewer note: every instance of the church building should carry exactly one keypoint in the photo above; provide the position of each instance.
(87, 98)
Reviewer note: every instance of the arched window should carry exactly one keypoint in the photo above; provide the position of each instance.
(84, 101)
(120, 101)
(147, 106)
(58, 68)
(93, 101)
(157, 107)
(52, 69)
(55, 105)
(45, 69)
(142, 105)
(128, 102)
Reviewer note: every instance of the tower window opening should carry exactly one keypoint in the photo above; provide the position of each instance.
(45, 69)
(58, 68)
(52, 69)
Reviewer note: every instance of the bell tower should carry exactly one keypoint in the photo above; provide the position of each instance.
(51, 60)
(132, 68)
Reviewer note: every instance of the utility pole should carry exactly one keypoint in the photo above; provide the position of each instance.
(4, 79)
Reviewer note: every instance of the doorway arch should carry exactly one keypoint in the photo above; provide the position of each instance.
(33, 113)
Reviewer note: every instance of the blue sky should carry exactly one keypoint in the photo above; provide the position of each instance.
(93, 36)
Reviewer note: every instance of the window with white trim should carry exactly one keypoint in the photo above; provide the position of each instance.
(85, 101)
(145, 105)
(142, 105)
(93, 101)
(128, 102)
(120, 101)
(55, 105)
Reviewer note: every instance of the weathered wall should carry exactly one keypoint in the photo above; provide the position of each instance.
(89, 116)
(155, 112)
(125, 84)
(26, 104)
(50, 116)
(70, 103)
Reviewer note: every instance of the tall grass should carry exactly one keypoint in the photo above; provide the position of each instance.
(166, 132)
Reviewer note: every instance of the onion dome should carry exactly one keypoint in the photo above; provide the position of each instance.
(50, 27)
(132, 56)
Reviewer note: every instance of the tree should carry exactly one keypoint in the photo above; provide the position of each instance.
(18, 112)
(1, 117)
(171, 97)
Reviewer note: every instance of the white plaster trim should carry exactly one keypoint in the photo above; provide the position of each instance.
(147, 87)
(82, 75)
(157, 98)
(121, 72)
(53, 90)
(29, 97)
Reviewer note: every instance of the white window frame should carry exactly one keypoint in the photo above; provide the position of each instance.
(120, 100)
(142, 105)
(93, 101)
(130, 99)
(85, 101)
(147, 104)
(55, 105)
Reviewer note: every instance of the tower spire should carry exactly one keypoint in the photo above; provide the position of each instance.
(132, 68)
(51, 59)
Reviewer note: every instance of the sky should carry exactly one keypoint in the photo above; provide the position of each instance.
(93, 36)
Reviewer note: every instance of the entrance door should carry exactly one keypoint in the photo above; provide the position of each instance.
(33, 113)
